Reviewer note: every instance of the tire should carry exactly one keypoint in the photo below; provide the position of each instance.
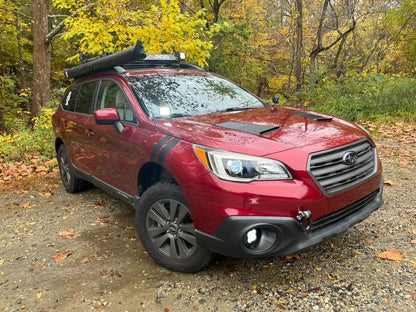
(71, 183)
(166, 229)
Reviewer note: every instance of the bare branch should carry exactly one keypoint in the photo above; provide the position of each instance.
(61, 25)
(15, 12)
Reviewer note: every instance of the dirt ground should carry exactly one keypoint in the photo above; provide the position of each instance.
(80, 252)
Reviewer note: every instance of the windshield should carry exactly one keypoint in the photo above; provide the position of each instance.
(190, 94)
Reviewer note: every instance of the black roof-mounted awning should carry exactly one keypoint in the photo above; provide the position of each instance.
(107, 61)
(134, 57)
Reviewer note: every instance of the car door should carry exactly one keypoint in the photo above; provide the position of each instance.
(111, 150)
(78, 107)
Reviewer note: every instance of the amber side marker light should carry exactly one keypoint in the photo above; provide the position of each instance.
(202, 156)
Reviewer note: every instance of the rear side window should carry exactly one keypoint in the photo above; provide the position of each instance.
(85, 99)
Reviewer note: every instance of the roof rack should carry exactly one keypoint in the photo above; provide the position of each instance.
(134, 57)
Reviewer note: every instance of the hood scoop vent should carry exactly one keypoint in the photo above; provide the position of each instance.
(312, 116)
(248, 127)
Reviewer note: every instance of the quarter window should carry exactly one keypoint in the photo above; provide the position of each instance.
(69, 101)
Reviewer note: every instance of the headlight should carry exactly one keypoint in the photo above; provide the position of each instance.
(240, 167)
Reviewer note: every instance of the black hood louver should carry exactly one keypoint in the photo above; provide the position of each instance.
(314, 117)
(248, 127)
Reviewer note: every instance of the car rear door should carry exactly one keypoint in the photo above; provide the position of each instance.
(78, 107)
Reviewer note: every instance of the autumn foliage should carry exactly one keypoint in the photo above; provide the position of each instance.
(350, 58)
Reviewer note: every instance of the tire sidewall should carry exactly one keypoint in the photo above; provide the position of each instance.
(159, 191)
(62, 152)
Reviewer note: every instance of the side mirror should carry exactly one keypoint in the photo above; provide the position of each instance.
(108, 116)
(275, 99)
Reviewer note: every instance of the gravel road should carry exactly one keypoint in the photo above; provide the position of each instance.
(80, 252)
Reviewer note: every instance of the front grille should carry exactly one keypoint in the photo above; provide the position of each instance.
(342, 213)
(333, 175)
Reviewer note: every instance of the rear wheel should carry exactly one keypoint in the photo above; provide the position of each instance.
(166, 229)
(71, 183)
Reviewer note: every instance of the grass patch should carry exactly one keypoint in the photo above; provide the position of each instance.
(355, 97)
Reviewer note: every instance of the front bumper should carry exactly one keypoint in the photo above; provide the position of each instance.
(282, 235)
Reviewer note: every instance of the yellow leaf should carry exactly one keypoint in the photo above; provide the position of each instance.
(39, 295)
(413, 263)
(388, 182)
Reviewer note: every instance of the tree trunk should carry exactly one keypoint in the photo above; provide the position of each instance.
(216, 6)
(299, 43)
(2, 123)
(41, 89)
(22, 70)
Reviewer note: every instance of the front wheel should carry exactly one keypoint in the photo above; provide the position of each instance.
(166, 229)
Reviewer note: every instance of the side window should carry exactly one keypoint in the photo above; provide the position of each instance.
(112, 96)
(85, 100)
(68, 103)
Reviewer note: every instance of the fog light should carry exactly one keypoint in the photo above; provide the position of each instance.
(260, 239)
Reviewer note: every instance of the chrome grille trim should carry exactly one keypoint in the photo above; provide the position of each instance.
(333, 176)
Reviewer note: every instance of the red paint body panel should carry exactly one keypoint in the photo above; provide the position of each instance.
(117, 158)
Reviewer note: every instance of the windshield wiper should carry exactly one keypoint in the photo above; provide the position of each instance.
(235, 109)
(174, 115)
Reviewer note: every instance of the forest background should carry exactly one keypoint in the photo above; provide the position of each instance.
(353, 58)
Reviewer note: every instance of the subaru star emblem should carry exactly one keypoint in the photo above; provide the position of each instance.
(350, 158)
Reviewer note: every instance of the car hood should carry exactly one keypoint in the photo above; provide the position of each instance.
(260, 131)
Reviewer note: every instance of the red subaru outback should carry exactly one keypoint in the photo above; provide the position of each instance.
(209, 167)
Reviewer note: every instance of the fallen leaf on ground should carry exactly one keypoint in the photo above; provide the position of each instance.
(391, 254)
(39, 265)
(85, 260)
(388, 182)
(27, 205)
(287, 258)
(110, 273)
(66, 235)
(62, 257)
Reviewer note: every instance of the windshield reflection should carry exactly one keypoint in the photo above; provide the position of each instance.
(189, 94)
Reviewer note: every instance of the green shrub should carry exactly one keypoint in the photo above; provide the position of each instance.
(24, 144)
(363, 96)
